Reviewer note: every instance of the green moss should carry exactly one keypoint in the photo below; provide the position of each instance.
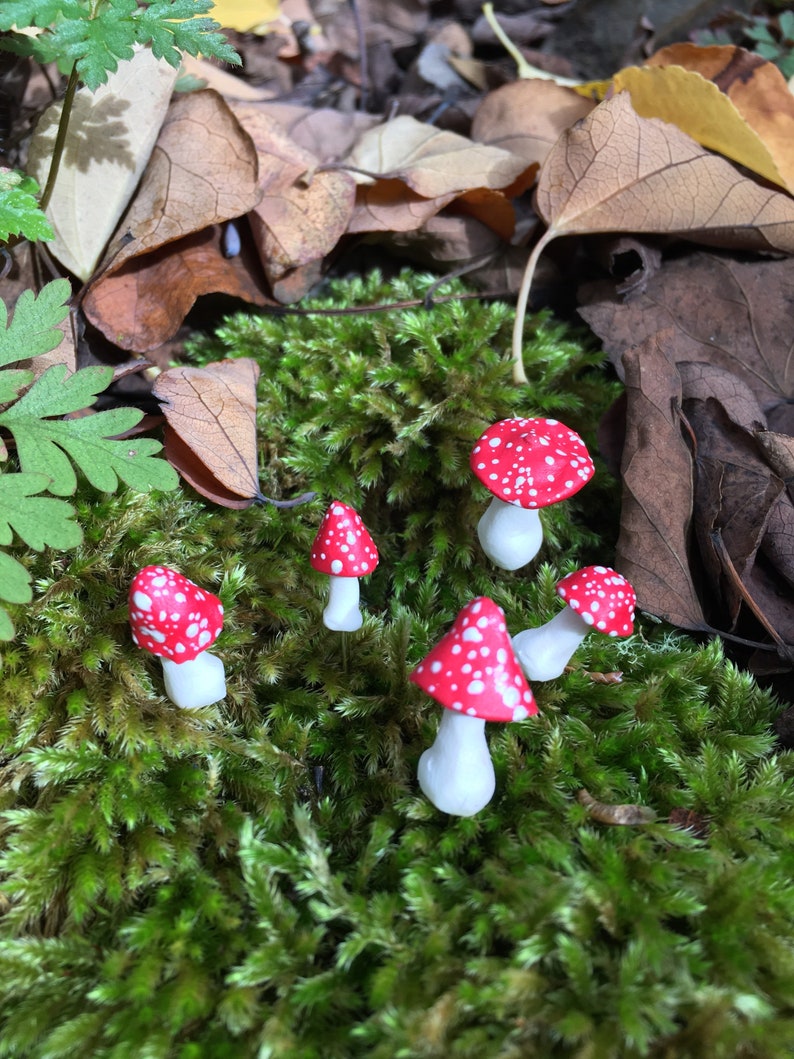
(262, 877)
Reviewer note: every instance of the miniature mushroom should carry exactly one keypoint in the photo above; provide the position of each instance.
(598, 598)
(343, 549)
(473, 672)
(527, 464)
(173, 618)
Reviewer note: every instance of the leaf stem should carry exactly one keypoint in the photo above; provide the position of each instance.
(60, 138)
(519, 375)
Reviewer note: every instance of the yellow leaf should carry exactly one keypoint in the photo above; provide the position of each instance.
(688, 100)
(727, 98)
(245, 16)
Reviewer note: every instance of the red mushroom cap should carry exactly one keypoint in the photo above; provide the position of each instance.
(531, 462)
(171, 616)
(602, 598)
(343, 546)
(473, 668)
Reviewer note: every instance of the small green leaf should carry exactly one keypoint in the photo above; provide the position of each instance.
(46, 446)
(14, 581)
(34, 327)
(6, 625)
(95, 45)
(41, 521)
(11, 382)
(20, 213)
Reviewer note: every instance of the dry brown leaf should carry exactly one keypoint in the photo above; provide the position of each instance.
(725, 313)
(713, 344)
(430, 161)
(302, 214)
(653, 547)
(400, 23)
(203, 171)
(142, 304)
(493, 208)
(329, 134)
(621, 815)
(389, 206)
(615, 171)
(527, 117)
(212, 410)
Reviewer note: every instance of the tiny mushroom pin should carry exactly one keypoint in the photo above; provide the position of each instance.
(598, 598)
(171, 617)
(343, 549)
(527, 464)
(473, 672)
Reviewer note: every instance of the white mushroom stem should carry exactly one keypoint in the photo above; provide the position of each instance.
(544, 652)
(341, 613)
(456, 772)
(197, 683)
(510, 535)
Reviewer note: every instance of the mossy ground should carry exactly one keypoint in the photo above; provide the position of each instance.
(262, 877)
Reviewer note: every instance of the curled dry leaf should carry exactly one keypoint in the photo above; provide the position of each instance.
(142, 304)
(202, 171)
(302, 213)
(527, 117)
(711, 373)
(623, 815)
(389, 206)
(431, 161)
(653, 549)
(328, 134)
(615, 172)
(211, 428)
(724, 312)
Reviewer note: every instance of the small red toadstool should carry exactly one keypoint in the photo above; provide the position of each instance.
(473, 672)
(527, 464)
(599, 598)
(171, 617)
(343, 549)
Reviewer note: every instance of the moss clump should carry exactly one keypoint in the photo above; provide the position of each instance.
(261, 878)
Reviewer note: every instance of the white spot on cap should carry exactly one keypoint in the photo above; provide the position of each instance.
(141, 600)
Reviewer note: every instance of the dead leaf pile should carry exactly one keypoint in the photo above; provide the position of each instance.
(707, 528)
(379, 124)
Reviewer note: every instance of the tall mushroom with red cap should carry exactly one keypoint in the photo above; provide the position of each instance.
(343, 549)
(527, 464)
(598, 598)
(473, 672)
(174, 619)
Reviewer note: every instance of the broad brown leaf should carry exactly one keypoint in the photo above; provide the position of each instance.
(203, 170)
(431, 161)
(390, 206)
(726, 365)
(527, 117)
(653, 550)
(617, 172)
(724, 312)
(212, 412)
(143, 303)
(302, 214)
